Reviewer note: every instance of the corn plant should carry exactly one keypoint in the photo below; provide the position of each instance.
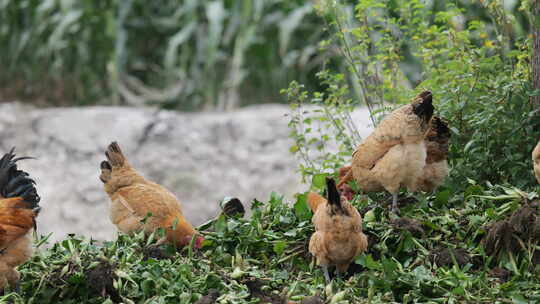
(211, 54)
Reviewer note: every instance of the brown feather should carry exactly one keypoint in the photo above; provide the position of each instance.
(436, 168)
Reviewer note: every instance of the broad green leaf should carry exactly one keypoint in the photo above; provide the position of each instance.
(301, 208)
(319, 181)
(279, 247)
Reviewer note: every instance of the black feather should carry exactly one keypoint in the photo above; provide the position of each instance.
(334, 198)
(105, 165)
(14, 182)
(115, 147)
(21, 179)
(6, 166)
(20, 190)
(424, 109)
(332, 192)
(441, 127)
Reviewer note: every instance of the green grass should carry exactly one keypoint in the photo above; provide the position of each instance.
(266, 256)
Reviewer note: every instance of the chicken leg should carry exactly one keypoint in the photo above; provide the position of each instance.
(395, 207)
(326, 275)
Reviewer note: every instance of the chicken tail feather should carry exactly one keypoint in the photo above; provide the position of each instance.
(333, 193)
(437, 139)
(314, 200)
(114, 155)
(6, 167)
(334, 198)
(423, 106)
(441, 128)
(15, 182)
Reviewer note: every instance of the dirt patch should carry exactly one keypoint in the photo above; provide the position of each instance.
(373, 238)
(446, 256)
(155, 252)
(513, 233)
(499, 273)
(60, 274)
(408, 224)
(255, 287)
(352, 270)
(403, 200)
(99, 281)
(210, 298)
(312, 300)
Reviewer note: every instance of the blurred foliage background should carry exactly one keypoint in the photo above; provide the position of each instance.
(190, 54)
(185, 54)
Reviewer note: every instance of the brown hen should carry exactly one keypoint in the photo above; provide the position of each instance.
(133, 199)
(338, 236)
(394, 155)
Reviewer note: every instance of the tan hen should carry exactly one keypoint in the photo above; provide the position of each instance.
(133, 198)
(394, 155)
(338, 236)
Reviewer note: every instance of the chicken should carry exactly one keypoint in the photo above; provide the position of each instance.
(338, 236)
(133, 198)
(394, 155)
(436, 168)
(233, 207)
(18, 211)
(536, 161)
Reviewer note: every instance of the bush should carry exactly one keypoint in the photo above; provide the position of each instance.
(477, 70)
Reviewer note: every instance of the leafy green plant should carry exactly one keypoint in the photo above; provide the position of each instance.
(321, 150)
(265, 257)
(479, 78)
